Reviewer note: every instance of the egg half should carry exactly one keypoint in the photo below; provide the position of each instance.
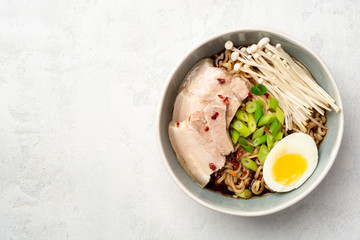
(290, 163)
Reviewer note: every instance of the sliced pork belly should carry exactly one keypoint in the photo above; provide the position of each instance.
(203, 85)
(201, 142)
(219, 136)
(207, 101)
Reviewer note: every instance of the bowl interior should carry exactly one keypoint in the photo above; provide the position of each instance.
(272, 202)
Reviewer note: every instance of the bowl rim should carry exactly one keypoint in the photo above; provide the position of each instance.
(332, 155)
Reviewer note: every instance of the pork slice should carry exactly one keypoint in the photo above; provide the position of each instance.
(196, 148)
(187, 103)
(233, 106)
(201, 88)
(219, 135)
(184, 141)
(202, 95)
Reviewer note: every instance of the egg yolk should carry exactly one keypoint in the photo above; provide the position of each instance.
(289, 168)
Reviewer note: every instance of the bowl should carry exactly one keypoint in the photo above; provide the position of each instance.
(273, 202)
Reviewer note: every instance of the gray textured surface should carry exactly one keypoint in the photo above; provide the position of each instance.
(79, 85)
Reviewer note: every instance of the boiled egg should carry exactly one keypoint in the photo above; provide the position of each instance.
(290, 163)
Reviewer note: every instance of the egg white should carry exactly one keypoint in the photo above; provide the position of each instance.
(296, 143)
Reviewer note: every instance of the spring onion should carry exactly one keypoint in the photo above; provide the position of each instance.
(235, 136)
(250, 164)
(251, 123)
(266, 119)
(241, 128)
(278, 136)
(259, 89)
(258, 114)
(280, 115)
(263, 152)
(260, 140)
(273, 104)
(242, 115)
(246, 194)
(251, 107)
(258, 133)
(269, 140)
(274, 127)
(245, 145)
(259, 103)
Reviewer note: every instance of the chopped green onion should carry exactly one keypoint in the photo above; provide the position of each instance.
(251, 123)
(269, 140)
(274, 127)
(242, 115)
(259, 103)
(278, 136)
(245, 145)
(259, 89)
(241, 128)
(260, 140)
(266, 119)
(263, 152)
(250, 164)
(251, 107)
(258, 133)
(258, 114)
(235, 136)
(280, 115)
(246, 194)
(273, 104)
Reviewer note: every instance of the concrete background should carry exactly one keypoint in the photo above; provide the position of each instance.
(79, 86)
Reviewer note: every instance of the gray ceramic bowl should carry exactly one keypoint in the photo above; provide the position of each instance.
(273, 202)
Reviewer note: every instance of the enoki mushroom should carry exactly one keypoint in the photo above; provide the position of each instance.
(286, 79)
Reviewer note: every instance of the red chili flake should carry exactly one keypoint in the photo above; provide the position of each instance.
(206, 128)
(236, 165)
(267, 130)
(226, 101)
(250, 96)
(244, 172)
(266, 95)
(177, 124)
(239, 154)
(221, 80)
(212, 166)
(233, 159)
(215, 115)
(220, 96)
